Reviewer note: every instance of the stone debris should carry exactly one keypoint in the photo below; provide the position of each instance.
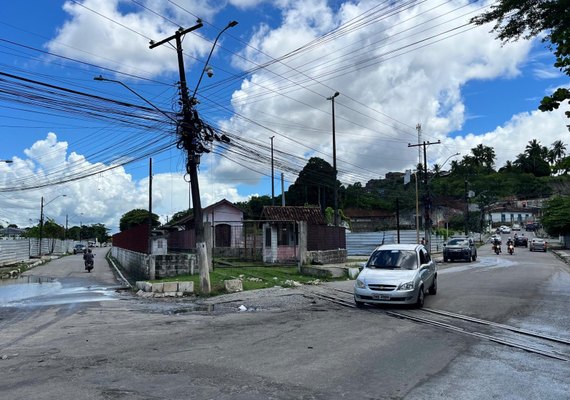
(233, 285)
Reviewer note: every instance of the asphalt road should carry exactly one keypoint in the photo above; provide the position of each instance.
(78, 338)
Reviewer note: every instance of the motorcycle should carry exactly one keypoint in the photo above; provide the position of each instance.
(89, 260)
(511, 249)
(497, 249)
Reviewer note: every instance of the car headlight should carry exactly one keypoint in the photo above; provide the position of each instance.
(360, 284)
(406, 286)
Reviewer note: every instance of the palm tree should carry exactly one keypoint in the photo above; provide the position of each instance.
(483, 156)
(558, 150)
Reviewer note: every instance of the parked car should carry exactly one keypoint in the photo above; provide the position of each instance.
(505, 229)
(516, 227)
(79, 248)
(531, 226)
(460, 249)
(396, 274)
(537, 244)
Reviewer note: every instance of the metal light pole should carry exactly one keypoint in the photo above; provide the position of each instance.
(208, 68)
(335, 192)
(42, 218)
(272, 175)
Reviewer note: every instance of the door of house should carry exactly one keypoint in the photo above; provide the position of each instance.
(223, 235)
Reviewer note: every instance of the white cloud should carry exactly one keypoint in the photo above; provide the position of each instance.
(376, 75)
(98, 31)
(510, 139)
(102, 198)
(424, 85)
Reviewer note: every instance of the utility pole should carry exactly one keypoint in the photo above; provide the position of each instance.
(427, 201)
(41, 225)
(150, 206)
(466, 208)
(335, 192)
(272, 175)
(189, 133)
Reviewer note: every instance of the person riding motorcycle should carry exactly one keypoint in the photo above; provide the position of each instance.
(497, 245)
(88, 257)
(510, 245)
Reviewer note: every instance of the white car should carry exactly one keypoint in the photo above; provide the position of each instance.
(396, 274)
(505, 229)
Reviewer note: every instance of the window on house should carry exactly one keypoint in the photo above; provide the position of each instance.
(268, 237)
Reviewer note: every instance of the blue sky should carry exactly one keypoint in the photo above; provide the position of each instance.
(394, 67)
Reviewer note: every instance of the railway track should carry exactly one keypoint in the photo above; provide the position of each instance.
(533, 342)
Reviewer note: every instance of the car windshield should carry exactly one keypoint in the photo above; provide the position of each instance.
(393, 259)
(457, 242)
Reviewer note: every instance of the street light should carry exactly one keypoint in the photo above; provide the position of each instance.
(102, 79)
(208, 68)
(42, 218)
(335, 192)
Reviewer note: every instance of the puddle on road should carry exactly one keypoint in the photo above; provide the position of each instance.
(45, 291)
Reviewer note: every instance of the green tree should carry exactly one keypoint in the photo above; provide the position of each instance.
(515, 19)
(556, 216)
(180, 215)
(534, 159)
(136, 217)
(314, 185)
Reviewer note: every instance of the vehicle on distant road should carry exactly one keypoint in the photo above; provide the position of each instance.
(396, 274)
(531, 226)
(505, 229)
(79, 248)
(537, 244)
(516, 227)
(460, 249)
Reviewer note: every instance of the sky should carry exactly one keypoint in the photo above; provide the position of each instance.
(85, 146)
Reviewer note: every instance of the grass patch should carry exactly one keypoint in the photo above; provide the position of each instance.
(252, 277)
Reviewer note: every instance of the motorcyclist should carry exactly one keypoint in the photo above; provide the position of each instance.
(510, 243)
(497, 244)
(88, 257)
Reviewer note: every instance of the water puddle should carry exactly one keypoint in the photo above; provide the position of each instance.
(45, 291)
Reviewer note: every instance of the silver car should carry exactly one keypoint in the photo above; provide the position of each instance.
(396, 274)
(537, 244)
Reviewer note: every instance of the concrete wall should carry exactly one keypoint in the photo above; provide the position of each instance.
(141, 266)
(326, 256)
(137, 265)
(14, 251)
(171, 265)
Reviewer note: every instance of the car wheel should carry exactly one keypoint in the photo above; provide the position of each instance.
(445, 259)
(359, 304)
(433, 288)
(421, 298)
(475, 257)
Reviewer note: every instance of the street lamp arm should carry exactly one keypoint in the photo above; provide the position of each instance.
(101, 78)
(230, 25)
(57, 197)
